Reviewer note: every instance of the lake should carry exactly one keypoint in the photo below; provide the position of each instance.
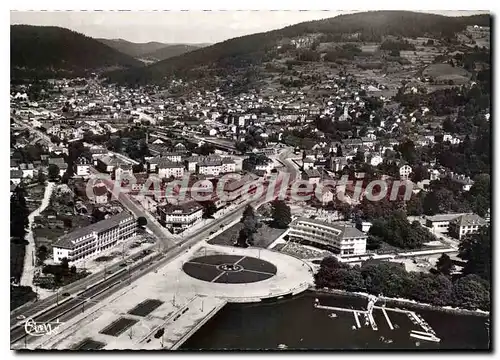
(297, 324)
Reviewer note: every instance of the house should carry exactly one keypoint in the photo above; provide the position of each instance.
(108, 163)
(28, 170)
(100, 194)
(266, 166)
(177, 218)
(123, 171)
(14, 165)
(60, 163)
(82, 166)
(308, 163)
(341, 238)
(228, 165)
(167, 169)
(211, 166)
(440, 222)
(404, 172)
(16, 176)
(338, 163)
(313, 176)
(465, 225)
(327, 196)
(462, 180)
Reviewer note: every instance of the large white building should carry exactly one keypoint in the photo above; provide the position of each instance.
(342, 239)
(177, 218)
(91, 240)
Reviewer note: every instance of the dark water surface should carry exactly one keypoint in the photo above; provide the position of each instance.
(297, 324)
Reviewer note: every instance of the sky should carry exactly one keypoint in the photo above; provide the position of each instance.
(178, 26)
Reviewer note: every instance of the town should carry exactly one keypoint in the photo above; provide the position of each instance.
(114, 185)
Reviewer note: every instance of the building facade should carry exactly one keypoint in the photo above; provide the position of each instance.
(91, 240)
(465, 225)
(178, 218)
(342, 239)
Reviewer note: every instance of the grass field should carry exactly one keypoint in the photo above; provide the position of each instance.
(263, 238)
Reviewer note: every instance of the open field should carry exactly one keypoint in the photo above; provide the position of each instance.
(263, 238)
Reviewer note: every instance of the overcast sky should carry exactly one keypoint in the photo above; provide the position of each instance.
(178, 26)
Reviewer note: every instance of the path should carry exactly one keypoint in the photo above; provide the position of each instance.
(29, 256)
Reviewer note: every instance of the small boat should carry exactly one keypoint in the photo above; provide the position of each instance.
(282, 346)
(332, 315)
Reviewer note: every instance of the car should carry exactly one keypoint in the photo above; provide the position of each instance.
(123, 265)
(21, 317)
(66, 294)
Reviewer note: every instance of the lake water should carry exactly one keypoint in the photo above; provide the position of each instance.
(297, 324)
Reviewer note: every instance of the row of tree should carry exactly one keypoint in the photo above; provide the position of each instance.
(392, 280)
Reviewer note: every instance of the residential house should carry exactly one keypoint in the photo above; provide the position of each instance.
(228, 165)
(28, 170)
(100, 194)
(465, 225)
(404, 172)
(167, 169)
(313, 176)
(123, 171)
(16, 176)
(82, 166)
(210, 166)
(177, 218)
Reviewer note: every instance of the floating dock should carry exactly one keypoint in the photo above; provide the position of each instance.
(387, 318)
(357, 319)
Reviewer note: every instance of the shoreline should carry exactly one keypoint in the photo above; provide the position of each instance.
(404, 302)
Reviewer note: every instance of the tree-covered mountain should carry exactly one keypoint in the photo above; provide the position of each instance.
(48, 51)
(243, 52)
(170, 51)
(136, 50)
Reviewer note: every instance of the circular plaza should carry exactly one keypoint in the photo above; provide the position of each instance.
(244, 275)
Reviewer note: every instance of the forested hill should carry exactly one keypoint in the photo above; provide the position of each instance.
(47, 51)
(133, 49)
(171, 51)
(240, 53)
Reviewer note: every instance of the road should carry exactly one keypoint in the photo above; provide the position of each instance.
(85, 290)
(73, 305)
(29, 256)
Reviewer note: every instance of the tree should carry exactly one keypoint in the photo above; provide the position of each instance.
(53, 171)
(476, 250)
(373, 243)
(18, 214)
(42, 254)
(209, 209)
(138, 168)
(142, 221)
(339, 150)
(41, 178)
(471, 292)
(64, 264)
(281, 214)
(73, 269)
(444, 265)
(250, 224)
